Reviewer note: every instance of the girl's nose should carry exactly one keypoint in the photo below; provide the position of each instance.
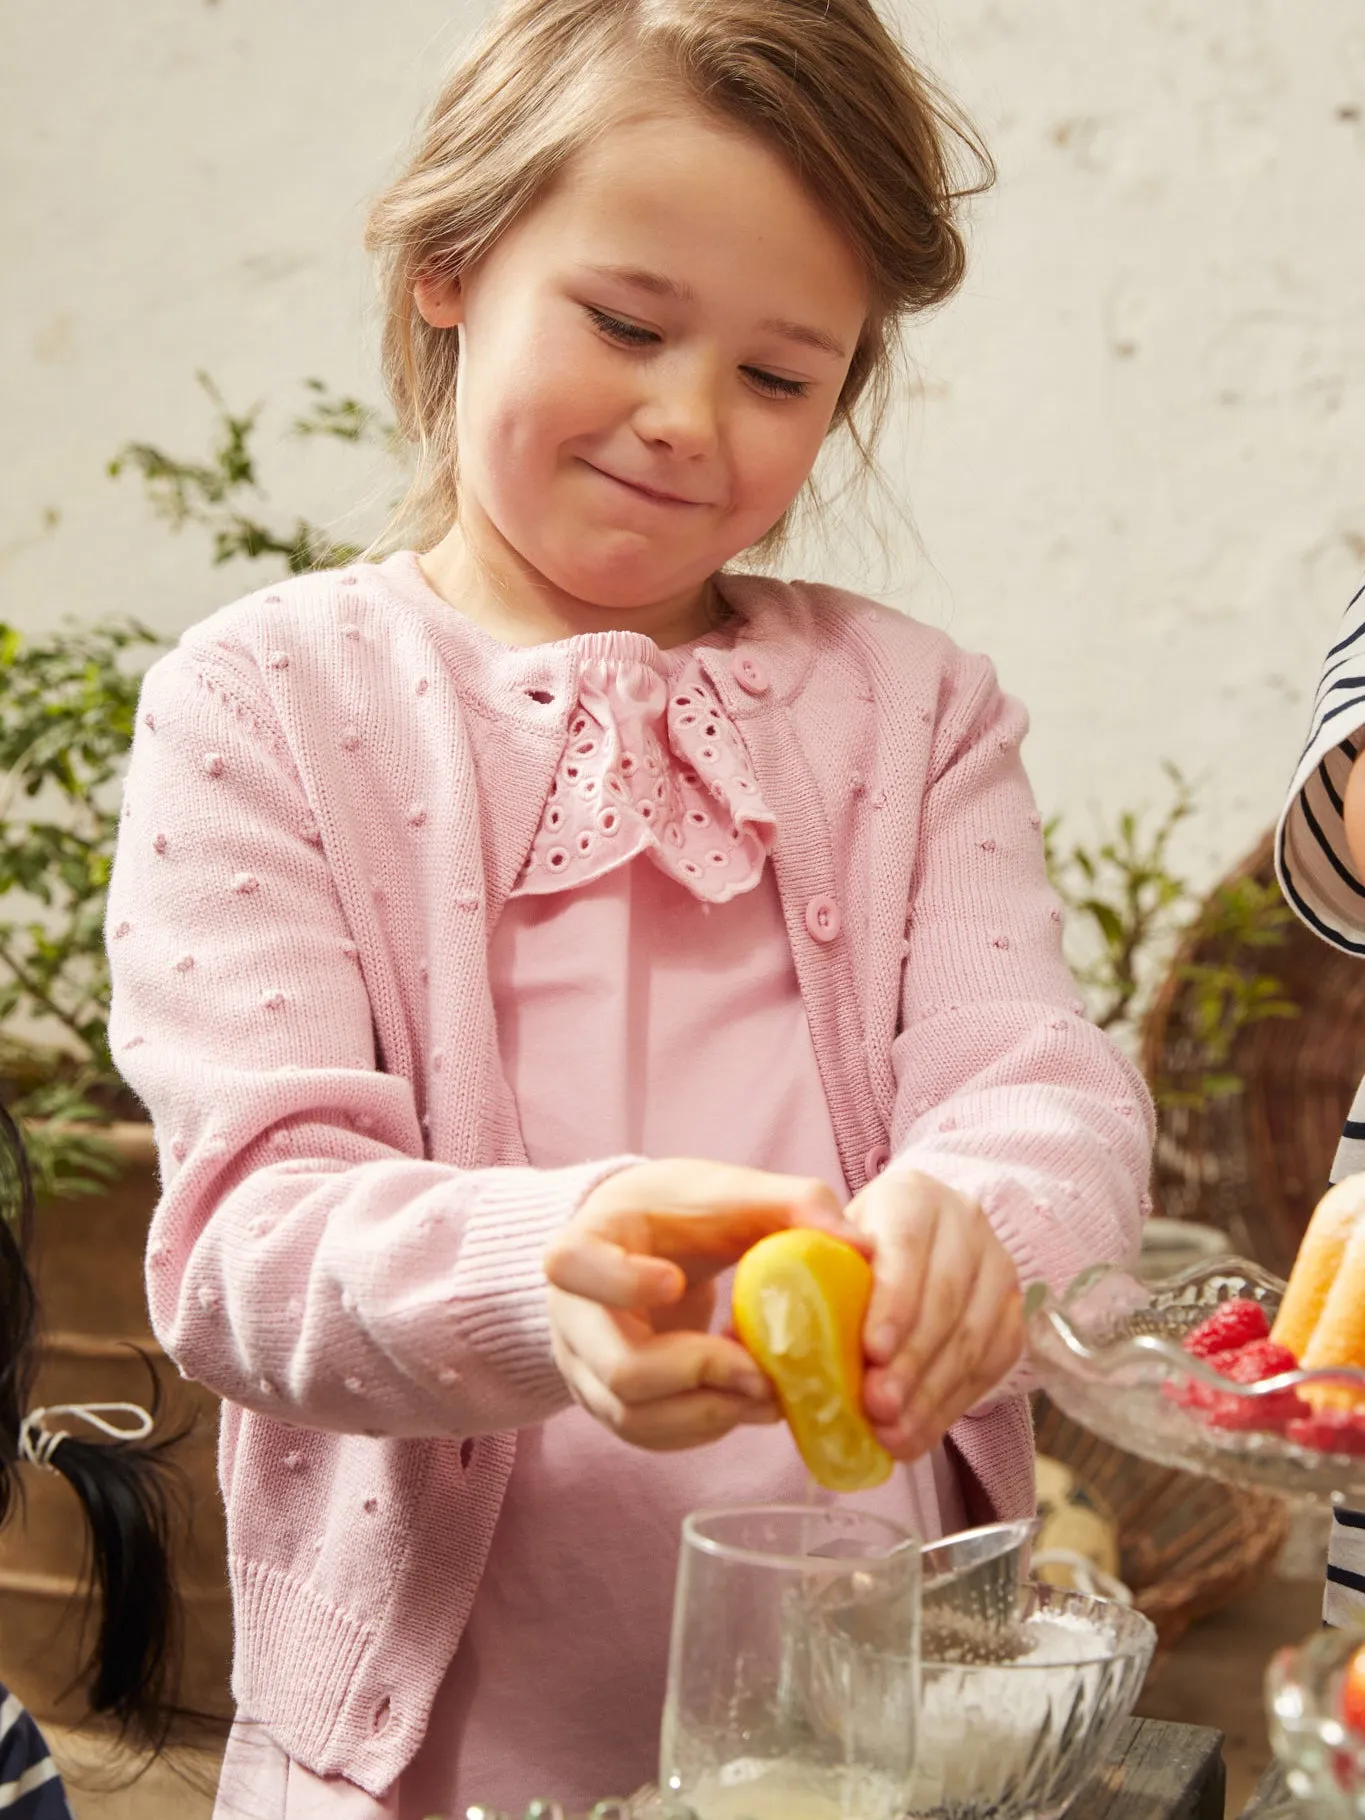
(681, 408)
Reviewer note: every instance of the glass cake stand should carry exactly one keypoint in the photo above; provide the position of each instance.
(1108, 1354)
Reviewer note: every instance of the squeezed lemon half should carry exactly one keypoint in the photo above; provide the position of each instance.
(800, 1298)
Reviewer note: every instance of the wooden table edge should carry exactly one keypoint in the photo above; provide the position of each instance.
(1157, 1770)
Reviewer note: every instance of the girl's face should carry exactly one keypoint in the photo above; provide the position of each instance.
(650, 359)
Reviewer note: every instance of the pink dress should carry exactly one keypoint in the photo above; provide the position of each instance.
(646, 1003)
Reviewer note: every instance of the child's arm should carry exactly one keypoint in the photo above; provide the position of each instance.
(305, 1260)
(1009, 1102)
(1353, 816)
(1320, 840)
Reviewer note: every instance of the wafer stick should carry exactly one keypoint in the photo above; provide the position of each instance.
(1339, 1337)
(1318, 1267)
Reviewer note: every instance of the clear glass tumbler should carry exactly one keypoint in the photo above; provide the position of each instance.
(793, 1676)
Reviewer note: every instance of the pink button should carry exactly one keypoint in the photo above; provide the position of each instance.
(750, 674)
(876, 1160)
(823, 919)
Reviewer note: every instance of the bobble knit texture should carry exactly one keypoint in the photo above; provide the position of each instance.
(348, 1244)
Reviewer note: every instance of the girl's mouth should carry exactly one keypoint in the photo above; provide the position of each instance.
(656, 494)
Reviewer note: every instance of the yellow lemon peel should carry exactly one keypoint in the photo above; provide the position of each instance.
(800, 1298)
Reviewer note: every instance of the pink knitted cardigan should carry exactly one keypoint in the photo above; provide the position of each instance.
(318, 834)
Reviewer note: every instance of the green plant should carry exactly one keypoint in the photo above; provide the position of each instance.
(1129, 911)
(223, 493)
(66, 718)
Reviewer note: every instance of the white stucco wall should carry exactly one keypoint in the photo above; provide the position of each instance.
(1135, 466)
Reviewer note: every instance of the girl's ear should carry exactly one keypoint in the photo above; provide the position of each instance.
(440, 301)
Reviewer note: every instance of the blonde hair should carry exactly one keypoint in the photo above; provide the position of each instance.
(823, 82)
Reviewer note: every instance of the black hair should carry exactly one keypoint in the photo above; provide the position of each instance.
(126, 1488)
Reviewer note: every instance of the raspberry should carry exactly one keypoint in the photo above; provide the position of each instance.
(1352, 1698)
(1260, 1359)
(1334, 1431)
(1249, 1364)
(1232, 1324)
(1275, 1413)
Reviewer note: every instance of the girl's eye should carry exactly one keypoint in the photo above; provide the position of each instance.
(634, 335)
(774, 385)
(629, 334)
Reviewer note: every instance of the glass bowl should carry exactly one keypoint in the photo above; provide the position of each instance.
(1018, 1740)
(1014, 1740)
(1323, 1763)
(1108, 1354)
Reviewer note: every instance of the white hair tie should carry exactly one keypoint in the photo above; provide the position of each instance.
(38, 1443)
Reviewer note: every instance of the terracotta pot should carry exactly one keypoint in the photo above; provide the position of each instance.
(87, 1259)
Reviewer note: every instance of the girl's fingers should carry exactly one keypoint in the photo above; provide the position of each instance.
(635, 1365)
(972, 1361)
(701, 1216)
(946, 1289)
(694, 1313)
(690, 1420)
(833, 1219)
(671, 1364)
(585, 1264)
(901, 1216)
(628, 1384)
(927, 1272)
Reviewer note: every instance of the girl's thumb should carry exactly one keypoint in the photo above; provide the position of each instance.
(581, 1263)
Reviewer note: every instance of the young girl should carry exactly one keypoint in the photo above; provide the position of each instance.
(506, 936)
(122, 1491)
(1320, 858)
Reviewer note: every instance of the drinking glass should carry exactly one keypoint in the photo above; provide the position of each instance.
(793, 1676)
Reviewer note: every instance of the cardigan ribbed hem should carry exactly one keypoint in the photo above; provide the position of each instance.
(277, 1615)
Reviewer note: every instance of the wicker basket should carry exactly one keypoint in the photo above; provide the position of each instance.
(1187, 1545)
(1255, 1165)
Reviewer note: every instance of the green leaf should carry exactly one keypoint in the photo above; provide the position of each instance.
(67, 1163)
(1222, 1086)
(1110, 924)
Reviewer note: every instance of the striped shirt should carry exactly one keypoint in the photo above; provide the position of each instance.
(1319, 880)
(30, 1788)
(1311, 856)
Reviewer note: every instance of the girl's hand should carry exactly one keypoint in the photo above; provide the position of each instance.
(632, 1292)
(945, 1323)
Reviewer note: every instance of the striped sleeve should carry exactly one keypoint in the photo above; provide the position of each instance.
(30, 1788)
(1311, 856)
(1343, 1604)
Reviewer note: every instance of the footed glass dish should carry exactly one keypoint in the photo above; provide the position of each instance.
(1323, 1762)
(1108, 1353)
